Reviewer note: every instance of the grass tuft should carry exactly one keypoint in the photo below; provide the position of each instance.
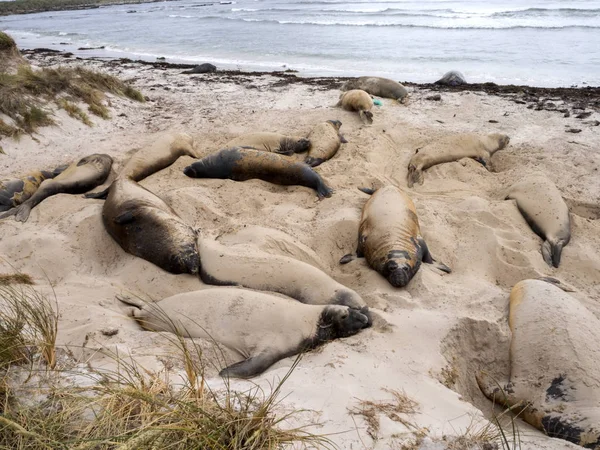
(6, 42)
(15, 278)
(74, 111)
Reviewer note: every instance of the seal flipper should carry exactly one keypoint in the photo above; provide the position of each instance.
(498, 391)
(428, 259)
(250, 367)
(343, 140)
(552, 252)
(347, 258)
(414, 175)
(101, 194)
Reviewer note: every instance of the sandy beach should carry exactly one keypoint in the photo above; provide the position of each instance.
(444, 326)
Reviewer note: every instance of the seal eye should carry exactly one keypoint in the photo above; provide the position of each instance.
(344, 315)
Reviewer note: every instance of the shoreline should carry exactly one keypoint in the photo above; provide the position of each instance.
(538, 98)
(89, 5)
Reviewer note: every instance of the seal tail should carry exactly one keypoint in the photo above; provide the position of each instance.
(366, 116)
(552, 252)
(368, 191)
(414, 175)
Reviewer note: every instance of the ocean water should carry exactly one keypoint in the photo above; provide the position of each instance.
(540, 43)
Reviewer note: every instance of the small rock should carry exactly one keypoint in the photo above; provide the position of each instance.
(573, 130)
(530, 106)
(492, 121)
(593, 123)
(567, 114)
(109, 331)
(583, 115)
(435, 98)
(161, 58)
(550, 105)
(520, 102)
(122, 115)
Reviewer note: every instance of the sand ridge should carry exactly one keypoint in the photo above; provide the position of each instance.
(454, 322)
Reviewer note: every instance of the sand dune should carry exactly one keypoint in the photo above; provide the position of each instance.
(445, 325)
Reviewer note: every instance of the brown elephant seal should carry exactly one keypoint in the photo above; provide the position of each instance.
(144, 225)
(359, 101)
(15, 191)
(454, 148)
(381, 87)
(241, 164)
(325, 141)
(554, 364)
(262, 328)
(77, 178)
(542, 206)
(272, 142)
(230, 266)
(452, 78)
(159, 155)
(389, 236)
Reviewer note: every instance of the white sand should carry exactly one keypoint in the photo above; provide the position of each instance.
(454, 322)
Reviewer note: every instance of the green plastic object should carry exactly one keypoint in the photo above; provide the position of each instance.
(377, 102)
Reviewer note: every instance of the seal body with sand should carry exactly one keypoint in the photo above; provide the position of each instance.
(161, 154)
(222, 265)
(241, 164)
(325, 140)
(146, 226)
(262, 328)
(381, 87)
(77, 178)
(15, 191)
(272, 142)
(542, 206)
(554, 364)
(389, 236)
(359, 101)
(454, 148)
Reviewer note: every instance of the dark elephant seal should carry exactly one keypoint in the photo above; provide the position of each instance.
(381, 87)
(544, 209)
(163, 152)
(15, 191)
(389, 236)
(202, 68)
(271, 142)
(454, 148)
(359, 101)
(262, 328)
(325, 141)
(144, 225)
(241, 164)
(222, 265)
(452, 78)
(554, 380)
(77, 178)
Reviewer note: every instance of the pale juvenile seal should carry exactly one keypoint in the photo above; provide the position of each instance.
(381, 87)
(15, 191)
(554, 364)
(241, 164)
(222, 265)
(325, 140)
(359, 101)
(159, 155)
(262, 328)
(452, 78)
(77, 178)
(454, 148)
(389, 236)
(144, 225)
(542, 206)
(271, 142)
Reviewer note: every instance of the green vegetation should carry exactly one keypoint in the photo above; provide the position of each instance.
(6, 42)
(32, 6)
(22, 95)
(127, 408)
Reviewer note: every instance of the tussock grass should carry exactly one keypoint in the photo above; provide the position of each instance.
(15, 278)
(23, 95)
(130, 407)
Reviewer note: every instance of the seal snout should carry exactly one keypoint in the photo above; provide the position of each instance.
(398, 276)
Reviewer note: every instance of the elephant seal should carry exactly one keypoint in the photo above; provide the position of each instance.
(359, 101)
(77, 178)
(381, 87)
(15, 191)
(241, 164)
(262, 328)
(452, 78)
(159, 155)
(144, 225)
(228, 266)
(389, 236)
(271, 142)
(554, 364)
(325, 140)
(542, 206)
(202, 68)
(454, 148)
